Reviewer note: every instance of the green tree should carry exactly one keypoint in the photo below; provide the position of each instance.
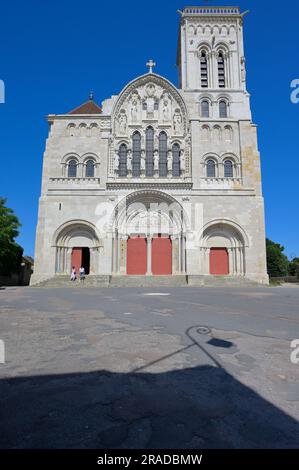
(294, 267)
(10, 252)
(277, 261)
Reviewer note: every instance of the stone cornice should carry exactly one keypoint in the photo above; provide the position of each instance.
(149, 186)
(76, 117)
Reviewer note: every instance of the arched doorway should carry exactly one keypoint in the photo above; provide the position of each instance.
(149, 235)
(76, 245)
(223, 250)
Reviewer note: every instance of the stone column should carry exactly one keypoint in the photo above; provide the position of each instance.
(57, 261)
(213, 70)
(169, 163)
(207, 260)
(175, 254)
(68, 266)
(123, 254)
(180, 254)
(231, 261)
(149, 256)
(183, 247)
(115, 253)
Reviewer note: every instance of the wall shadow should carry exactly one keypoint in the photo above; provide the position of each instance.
(202, 407)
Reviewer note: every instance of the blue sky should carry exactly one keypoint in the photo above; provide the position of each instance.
(53, 53)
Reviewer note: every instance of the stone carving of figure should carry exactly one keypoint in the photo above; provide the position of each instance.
(166, 110)
(177, 122)
(142, 161)
(129, 161)
(169, 161)
(116, 162)
(243, 69)
(156, 160)
(134, 109)
(183, 161)
(122, 121)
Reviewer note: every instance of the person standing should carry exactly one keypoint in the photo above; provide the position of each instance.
(82, 274)
(73, 274)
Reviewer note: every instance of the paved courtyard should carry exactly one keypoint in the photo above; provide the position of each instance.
(139, 368)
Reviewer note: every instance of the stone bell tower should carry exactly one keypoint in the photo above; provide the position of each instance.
(211, 49)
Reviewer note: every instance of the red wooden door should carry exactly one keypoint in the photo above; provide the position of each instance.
(136, 256)
(219, 264)
(161, 256)
(77, 259)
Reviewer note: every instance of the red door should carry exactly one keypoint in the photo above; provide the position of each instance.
(219, 264)
(77, 259)
(161, 256)
(136, 256)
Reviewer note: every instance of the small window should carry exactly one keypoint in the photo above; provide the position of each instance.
(205, 109)
(123, 152)
(228, 169)
(211, 169)
(149, 156)
(89, 171)
(72, 169)
(221, 70)
(204, 70)
(176, 160)
(223, 109)
(163, 154)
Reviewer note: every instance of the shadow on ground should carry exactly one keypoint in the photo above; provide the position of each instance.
(201, 407)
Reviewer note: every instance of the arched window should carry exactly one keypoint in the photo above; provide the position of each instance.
(204, 69)
(72, 169)
(176, 160)
(71, 129)
(163, 154)
(205, 109)
(228, 169)
(136, 157)
(123, 152)
(221, 71)
(89, 170)
(222, 109)
(149, 155)
(211, 169)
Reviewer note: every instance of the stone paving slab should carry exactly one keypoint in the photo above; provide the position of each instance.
(130, 368)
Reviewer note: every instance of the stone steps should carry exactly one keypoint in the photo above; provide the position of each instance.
(220, 281)
(147, 281)
(64, 281)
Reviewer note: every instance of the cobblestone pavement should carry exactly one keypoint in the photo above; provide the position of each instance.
(137, 368)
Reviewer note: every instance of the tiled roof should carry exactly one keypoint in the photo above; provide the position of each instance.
(89, 107)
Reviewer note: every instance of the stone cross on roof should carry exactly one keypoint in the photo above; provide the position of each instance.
(150, 64)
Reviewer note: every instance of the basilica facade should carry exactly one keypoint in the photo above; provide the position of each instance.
(160, 180)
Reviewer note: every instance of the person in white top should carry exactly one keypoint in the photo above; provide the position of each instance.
(82, 274)
(73, 274)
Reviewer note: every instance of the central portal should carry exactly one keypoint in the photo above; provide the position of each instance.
(151, 256)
